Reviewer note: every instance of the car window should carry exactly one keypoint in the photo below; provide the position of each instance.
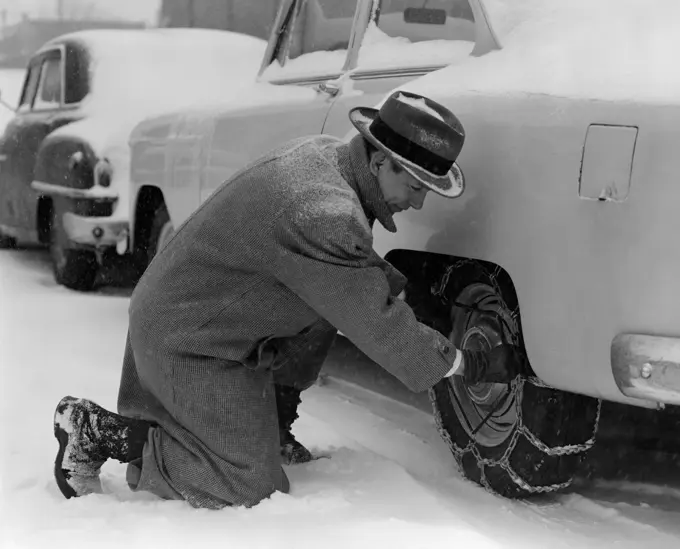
(412, 33)
(318, 39)
(50, 87)
(77, 82)
(30, 87)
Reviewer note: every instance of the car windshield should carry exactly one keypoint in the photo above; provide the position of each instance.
(418, 33)
(319, 38)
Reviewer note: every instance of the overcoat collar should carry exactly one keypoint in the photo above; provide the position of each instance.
(353, 164)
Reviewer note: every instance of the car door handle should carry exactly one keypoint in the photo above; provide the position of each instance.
(330, 87)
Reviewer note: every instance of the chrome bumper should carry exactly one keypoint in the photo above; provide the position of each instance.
(647, 367)
(98, 232)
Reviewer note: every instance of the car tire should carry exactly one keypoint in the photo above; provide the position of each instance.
(535, 437)
(7, 242)
(73, 268)
(161, 232)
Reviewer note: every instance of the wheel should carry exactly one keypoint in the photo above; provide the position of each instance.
(161, 232)
(73, 268)
(518, 439)
(7, 242)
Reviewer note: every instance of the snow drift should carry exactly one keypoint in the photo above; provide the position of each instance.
(617, 50)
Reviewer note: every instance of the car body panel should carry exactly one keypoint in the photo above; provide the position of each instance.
(588, 245)
(239, 139)
(584, 270)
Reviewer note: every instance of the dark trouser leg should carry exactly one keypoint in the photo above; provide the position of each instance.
(296, 368)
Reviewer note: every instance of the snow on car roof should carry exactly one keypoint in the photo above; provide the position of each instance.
(138, 73)
(615, 50)
(163, 64)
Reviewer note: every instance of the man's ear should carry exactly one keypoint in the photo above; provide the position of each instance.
(376, 160)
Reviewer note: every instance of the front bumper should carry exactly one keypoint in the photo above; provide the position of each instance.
(98, 232)
(89, 231)
(647, 367)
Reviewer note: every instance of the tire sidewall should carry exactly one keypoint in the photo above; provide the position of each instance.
(76, 269)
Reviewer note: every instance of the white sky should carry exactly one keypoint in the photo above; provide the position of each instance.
(140, 10)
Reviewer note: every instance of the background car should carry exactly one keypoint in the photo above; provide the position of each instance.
(563, 239)
(65, 157)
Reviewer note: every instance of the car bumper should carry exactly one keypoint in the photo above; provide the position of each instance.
(89, 231)
(647, 367)
(97, 232)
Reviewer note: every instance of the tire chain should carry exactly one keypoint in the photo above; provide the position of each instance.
(517, 387)
(521, 430)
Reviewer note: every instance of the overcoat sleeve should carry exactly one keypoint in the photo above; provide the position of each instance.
(324, 254)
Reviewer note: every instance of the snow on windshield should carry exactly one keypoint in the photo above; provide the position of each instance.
(310, 64)
(382, 51)
(321, 37)
(605, 49)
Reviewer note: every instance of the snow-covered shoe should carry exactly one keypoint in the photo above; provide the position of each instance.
(292, 451)
(287, 401)
(88, 435)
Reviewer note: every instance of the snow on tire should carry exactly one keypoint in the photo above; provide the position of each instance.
(513, 439)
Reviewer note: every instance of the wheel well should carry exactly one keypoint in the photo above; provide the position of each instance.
(44, 219)
(148, 201)
(428, 274)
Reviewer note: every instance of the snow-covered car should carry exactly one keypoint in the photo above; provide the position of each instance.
(563, 240)
(65, 155)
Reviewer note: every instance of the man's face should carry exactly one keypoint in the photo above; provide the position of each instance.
(400, 189)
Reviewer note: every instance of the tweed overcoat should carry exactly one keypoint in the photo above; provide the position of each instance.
(282, 246)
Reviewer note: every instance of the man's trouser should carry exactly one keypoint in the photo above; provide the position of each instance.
(215, 438)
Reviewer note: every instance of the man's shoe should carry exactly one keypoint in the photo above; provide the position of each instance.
(287, 401)
(292, 451)
(88, 435)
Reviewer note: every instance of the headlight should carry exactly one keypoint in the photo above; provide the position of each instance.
(103, 173)
(75, 160)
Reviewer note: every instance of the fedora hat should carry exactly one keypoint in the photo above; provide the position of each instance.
(420, 135)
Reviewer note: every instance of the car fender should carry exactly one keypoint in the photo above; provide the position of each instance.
(66, 161)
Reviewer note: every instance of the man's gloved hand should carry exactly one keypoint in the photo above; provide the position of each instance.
(501, 364)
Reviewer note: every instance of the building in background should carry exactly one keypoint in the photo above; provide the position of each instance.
(21, 40)
(253, 17)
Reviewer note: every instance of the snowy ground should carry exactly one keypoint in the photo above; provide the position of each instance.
(390, 480)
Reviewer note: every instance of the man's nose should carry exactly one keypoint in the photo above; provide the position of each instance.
(417, 200)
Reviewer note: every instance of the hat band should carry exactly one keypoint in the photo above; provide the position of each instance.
(409, 150)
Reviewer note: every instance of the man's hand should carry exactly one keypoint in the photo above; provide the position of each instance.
(501, 364)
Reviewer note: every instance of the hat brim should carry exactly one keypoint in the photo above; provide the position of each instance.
(450, 185)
